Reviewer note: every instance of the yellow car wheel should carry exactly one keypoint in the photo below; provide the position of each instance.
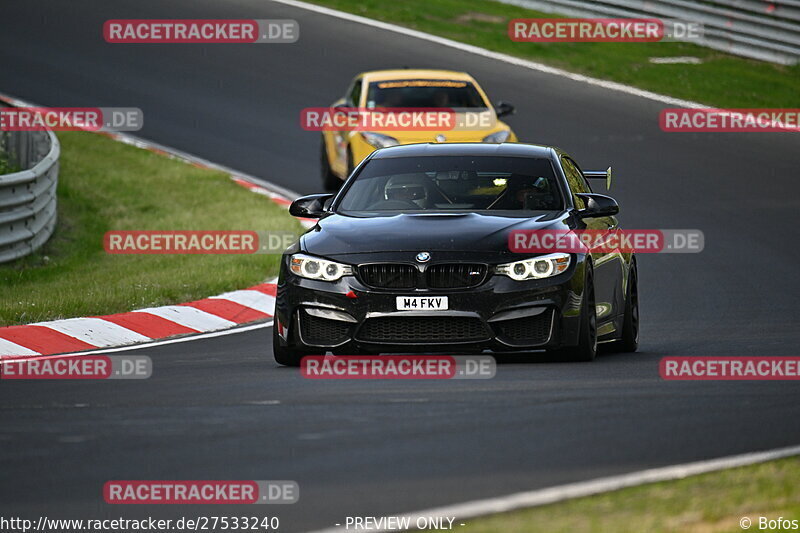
(350, 165)
(330, 181)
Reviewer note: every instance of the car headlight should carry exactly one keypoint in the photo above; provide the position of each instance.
(310, 267)
(379, 140)
(497, 137)
(535, 268)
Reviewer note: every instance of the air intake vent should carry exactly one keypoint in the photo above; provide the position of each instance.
(455, 275)
(427, 329)
(389, 275)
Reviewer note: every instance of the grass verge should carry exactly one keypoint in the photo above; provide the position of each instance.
(106, 185)
(709, 503)
(720, 80)
(6, 167)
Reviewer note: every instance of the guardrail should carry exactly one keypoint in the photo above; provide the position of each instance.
(28, 197)
(764, 30)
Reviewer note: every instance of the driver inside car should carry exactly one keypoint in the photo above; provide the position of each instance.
(525, 192)
(409, 189)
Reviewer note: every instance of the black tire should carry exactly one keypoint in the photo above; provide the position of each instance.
(330, 181)
(629, 339)
(284, 355)
(586, 350)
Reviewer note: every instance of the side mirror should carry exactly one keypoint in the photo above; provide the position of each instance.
(312, 206)
(503, 108)
(597, 205)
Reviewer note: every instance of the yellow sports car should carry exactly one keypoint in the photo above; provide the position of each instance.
(343, 150)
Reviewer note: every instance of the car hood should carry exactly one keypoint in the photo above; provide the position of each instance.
(456, 135)
(338, 236)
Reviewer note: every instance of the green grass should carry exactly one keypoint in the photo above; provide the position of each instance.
(106, 185)
(5, 165)
(721, 80)
(708, 503)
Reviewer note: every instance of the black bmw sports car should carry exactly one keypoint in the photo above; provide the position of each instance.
(412, 255)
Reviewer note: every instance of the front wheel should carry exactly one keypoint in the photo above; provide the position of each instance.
(629, 339)
(284, 355)
(586, 350)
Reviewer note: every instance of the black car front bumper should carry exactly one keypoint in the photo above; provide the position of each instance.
(500, 314)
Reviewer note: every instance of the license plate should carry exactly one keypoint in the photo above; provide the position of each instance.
(422, 303)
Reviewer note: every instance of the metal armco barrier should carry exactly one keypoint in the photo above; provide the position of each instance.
(28, 197)
(768, 30)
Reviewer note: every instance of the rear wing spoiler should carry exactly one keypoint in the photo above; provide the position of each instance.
(599, 174)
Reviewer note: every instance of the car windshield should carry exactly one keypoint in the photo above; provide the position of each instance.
(513, 186)
(424, 93)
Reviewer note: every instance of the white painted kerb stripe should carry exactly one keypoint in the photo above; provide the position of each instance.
(189, 317)
(95, 331)
(560, 493)
(254, 299)
(176, 340)
(11, 348)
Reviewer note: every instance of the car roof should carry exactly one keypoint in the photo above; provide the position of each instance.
(476, 148)
(415, 74)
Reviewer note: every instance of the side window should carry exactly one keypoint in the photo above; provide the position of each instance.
(577, 183)
(354, 97)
